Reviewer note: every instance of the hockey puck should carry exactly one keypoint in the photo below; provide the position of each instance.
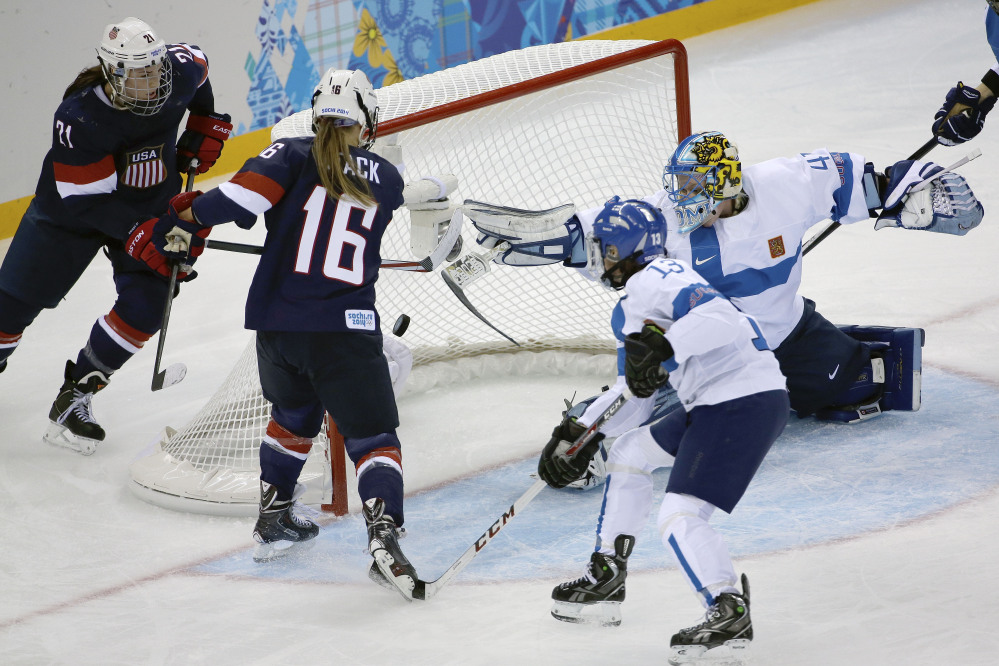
(400, 325)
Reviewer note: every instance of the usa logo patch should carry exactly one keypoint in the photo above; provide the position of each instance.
(776, 247)
(144, 167)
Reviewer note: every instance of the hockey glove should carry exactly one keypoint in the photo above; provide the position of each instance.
(644, 354)
(140, 246)
(559, 464)
(953, 128)
(176, 237)
(202, 139)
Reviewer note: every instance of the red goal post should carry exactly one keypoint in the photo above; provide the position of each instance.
(534, 128)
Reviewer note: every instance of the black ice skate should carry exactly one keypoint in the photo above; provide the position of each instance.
(278, 529)
(383, 544)
(723, 637)
(72, 423)
(597, 596)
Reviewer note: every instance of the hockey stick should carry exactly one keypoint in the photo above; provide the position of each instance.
(176, 372)
(468, 269)
(428, 264)
(427, 589)
(807, 246)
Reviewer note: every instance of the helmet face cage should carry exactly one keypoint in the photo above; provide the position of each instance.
(347, 96)
(703, 171)
(136, 67)
(630, 230)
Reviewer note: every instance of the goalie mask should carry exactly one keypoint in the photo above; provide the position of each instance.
(703, 171)
(136, 67)
(626, 236)
(346, 96)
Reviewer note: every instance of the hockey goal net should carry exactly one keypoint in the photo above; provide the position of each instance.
(535, 128)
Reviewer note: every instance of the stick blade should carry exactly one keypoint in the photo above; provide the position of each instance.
(172, 374)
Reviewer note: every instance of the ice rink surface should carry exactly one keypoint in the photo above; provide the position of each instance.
(872, 544)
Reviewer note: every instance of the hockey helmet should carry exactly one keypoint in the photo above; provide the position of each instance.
(136, 66)
(629, 233)
(346, 96)
(703, 171)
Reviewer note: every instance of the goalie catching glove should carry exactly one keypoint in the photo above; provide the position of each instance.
(644, 354)
(430, 211)
(561, 463)
(947, 205)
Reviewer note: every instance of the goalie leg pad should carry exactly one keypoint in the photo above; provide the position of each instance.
(894, 378)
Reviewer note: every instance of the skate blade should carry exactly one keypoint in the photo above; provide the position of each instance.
(601, 613)
(58, 435)
(275, 550)
(731, 653)
(404, 585)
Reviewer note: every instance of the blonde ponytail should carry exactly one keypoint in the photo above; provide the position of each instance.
(331, 150)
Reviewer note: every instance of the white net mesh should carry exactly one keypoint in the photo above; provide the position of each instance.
(600, 121)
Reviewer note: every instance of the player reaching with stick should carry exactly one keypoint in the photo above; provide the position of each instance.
(327, 201)
(112, 166)
(962, 115)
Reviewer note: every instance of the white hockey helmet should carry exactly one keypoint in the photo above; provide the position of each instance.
(136, 66)
(347, 96)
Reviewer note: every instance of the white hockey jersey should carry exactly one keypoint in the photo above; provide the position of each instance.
(754, 258)
(719, 353)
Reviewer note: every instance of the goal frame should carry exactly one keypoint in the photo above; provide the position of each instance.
(330, 481)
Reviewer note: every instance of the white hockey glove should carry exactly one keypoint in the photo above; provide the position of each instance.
(947, 205)
(536, 238)
(430, 211)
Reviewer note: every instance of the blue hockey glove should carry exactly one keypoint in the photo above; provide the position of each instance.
(966, 124)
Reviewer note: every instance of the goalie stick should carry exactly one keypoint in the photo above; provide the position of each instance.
(428, 589)
(807, 246)
(465, 271)
(427, 264)
(174, 373)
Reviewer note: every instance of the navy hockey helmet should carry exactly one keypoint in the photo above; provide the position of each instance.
(627, 235)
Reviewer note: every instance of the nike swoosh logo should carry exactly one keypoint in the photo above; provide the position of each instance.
(832, 375)
(698, 262)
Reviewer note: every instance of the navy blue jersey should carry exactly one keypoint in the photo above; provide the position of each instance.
(110, 168)
(321, 256)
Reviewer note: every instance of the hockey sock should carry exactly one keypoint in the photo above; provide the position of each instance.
(282, 457)
(112, 342)
(8, 343)
(380, 475)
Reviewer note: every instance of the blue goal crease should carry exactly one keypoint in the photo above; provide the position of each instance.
(821, 482)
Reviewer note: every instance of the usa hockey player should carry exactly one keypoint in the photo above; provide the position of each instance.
(962, 115)
(112, 166)
(327, 202)
(742, 229)
(674, 326)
